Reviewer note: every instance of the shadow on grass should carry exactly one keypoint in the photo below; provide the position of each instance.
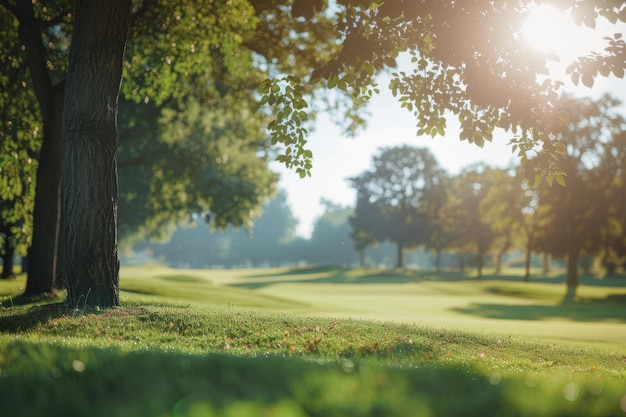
(334, 275)
(33, 317)
(187, 279)
(342, 275)
(104, 382)
(609, 309)
(329, 274)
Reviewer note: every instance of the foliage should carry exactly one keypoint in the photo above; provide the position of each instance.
(187, 158)
(330, 240)
(482, 74)
(580, 214)
(19, 143)
(398, 196)
(198, 246)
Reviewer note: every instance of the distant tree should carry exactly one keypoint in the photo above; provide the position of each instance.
(330, 241)
(403, 186)
(581, 213)
(503, 205)
(613, 250)
(266, 239)
(442, 234)
(197, 245)
(366, 217)
(472, 228)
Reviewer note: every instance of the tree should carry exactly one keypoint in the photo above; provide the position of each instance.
(580, 213)
(503, 205)
(156, 67)
(90, 190)
(330, 240)
(366, 215)
(265, 241)
(403, 186)
(613, 249)
(34, 59)
(189, 158)
(473, 229)
(199, 246)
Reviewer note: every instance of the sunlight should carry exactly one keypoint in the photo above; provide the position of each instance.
(551, 31)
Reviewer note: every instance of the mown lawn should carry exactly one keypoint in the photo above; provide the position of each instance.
(302, 343)
(502, 304)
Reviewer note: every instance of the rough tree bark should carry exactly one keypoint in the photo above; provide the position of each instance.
(90, 193)
(42, 267)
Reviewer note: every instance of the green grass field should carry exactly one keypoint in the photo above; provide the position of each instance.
(502, 304)
(319, 342)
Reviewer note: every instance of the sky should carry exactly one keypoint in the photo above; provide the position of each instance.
(337, 158)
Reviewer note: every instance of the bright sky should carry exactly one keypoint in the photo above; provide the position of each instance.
(336, 158)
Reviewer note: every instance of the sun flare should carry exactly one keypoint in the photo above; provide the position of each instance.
(549, 30)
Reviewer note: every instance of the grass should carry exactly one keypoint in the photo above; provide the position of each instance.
(281, 343)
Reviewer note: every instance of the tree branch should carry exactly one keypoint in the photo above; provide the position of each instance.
(30, 34)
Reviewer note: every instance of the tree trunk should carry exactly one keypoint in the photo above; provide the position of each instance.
(505, 247)
(90, 192)
(479, 264)
(572, 274)
(7, 260)
(400, 256)
(42, 254)
(527, 263)
(499, 256)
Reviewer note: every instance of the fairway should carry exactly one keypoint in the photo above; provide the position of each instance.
(502, 305)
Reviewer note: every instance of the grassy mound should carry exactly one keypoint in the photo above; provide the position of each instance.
(185, 361)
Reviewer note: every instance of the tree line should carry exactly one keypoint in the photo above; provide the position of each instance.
(408, 201)
(270, 242)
